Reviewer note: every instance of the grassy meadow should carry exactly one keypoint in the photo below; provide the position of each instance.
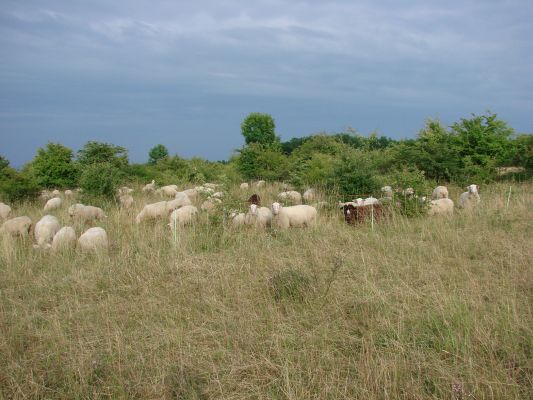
(420, 308)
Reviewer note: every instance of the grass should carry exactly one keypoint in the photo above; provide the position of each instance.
(331, 312)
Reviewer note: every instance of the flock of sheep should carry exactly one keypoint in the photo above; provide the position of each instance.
(181, 211)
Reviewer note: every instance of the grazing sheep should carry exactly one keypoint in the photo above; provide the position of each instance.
(443, 206)
(370, 201)
(124, 190)
(183, 216)
(180, 201)
(85, 213)
(386, 191)
(292, 196)
(53, 204)
(440, 192)
(93, 239)
(470, 198)
(238, 219)
(260, 217)
(294, 216)
(5, 210)
(149, 187)
(244, 186)
(254, 199)
(18, 226)
(64, 239)
(45, 230)
(191, 193)
(169, 190)
(210, 204)
(69, 193)
(56, 192)
(260, 184)
(355, 214)
(309, 195)
(153, 211)
(126, 201)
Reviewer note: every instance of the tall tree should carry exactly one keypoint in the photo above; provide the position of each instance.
(259, 128)
(157, 153)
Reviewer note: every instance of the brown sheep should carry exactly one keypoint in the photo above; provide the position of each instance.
(354, 215)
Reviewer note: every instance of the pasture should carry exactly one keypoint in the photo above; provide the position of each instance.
(420, 308)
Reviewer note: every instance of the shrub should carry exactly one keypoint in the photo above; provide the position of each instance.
(100, 180)
(16, 186)
(53, 167)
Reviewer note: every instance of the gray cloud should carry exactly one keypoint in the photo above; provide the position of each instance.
(140, 73)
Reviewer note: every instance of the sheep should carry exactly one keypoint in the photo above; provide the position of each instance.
(169, 190)
(386, 191)
(238, 219)
(152, 211)
(149, 187)
(181, 200)
(440, 192)
(64, 239)
(260, 184)
(369, 201)
(53, 204)
(44, 232)
(93, 239)
(254, 199)
(294, 216)
(126, 201)
(469, 198)
(85, 213)
(56, 192)
(292, 196)
(5, 210)
(124, 190)
(260, 217)
(355, 213)
(183, 216)
(210, 204)
(191, 193)
(309, 195)
(244, 186)
(443, 206)
(69, 193)
(18, 226)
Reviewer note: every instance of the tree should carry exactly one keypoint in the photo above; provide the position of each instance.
(15, 186)
(100, 179)
(157, 153)
(97, 153)
(3, 163)
(259, 128)
(53, 166)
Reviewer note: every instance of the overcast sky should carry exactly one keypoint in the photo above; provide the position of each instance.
(185, 74)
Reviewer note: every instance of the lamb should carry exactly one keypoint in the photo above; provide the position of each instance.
(93, 239)
(53, 204)
(260, 217)
(470, 198)
(149, 187)
(309, 195)
(443, 206)
(183, 216)
(126, 201)
(64, 239)
(18, 226)
(440, 192)
(244, 186)
(292, 196)
(45, 230)
(85, 213)
(294, 216)
(356, 214)
(5, 210)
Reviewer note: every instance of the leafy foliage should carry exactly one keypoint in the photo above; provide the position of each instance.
(157, 153)
(16, 186)
(53, 167)
(97, 152)
(100, 179)
(259, 128)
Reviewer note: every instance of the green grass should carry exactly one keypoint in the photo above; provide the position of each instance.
(330, 312)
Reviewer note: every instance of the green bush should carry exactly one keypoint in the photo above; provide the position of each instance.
(53, 167)
(100, 180)
(16, 186)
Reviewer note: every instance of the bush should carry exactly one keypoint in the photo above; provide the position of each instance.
(100, 180)
(53, 167)
(356, 174)
(16, 186)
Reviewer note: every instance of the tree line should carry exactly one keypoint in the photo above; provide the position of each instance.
(471, 149)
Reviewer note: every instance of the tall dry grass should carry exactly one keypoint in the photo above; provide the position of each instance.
(425, 308)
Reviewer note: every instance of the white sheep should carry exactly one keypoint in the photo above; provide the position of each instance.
(370, 201)
(65, 238)
(45, 229)
(180, 201)
(469, 198)
(85, 213)
(18, 226)
(93, 239)
(244, 186)
(190, 193)
(5, 210)
(386, 191)
(153, 211)
(149, 187)
(53, 204)
(292, 196)
(126, 201)
(69, 193)
(260, 184)
(183, 216)
(56, 192)
(169, 190)
(294, 216)
(309, 195)
(440, 192)
(238, 219)
(442, 206)
(124, 190)
(260, 217)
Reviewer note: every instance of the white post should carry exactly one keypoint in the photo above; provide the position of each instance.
(508, 198)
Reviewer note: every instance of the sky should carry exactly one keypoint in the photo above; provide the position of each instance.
(186, 74)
